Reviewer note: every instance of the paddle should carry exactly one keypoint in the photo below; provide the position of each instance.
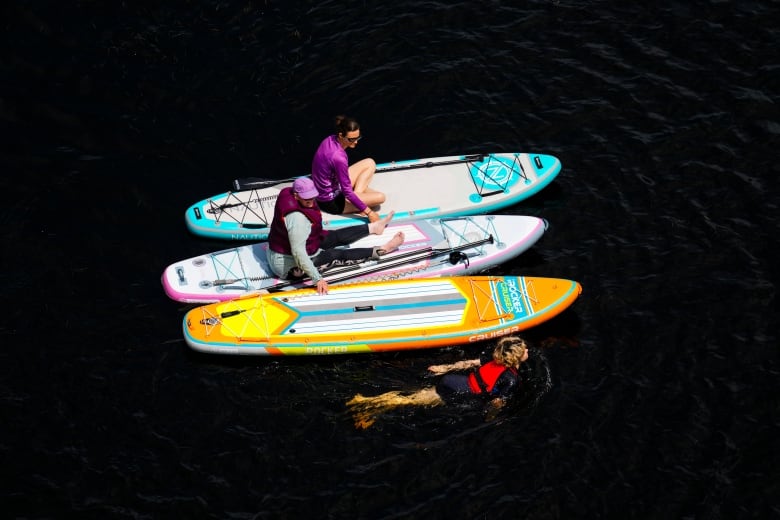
(250, 183)
(381, 265)
(396, 261)
(337, 270)
(214, 320)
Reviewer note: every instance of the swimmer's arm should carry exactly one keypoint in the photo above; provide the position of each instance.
(460, 365)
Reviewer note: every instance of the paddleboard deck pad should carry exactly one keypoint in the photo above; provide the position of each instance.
(378, 316)
(416, 189)
(432, 248)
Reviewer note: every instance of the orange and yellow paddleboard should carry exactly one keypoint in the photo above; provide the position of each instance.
(378, 316)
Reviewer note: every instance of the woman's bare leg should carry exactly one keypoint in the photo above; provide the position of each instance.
(360, 174)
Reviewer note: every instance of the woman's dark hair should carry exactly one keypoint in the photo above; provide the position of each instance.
(346, 124)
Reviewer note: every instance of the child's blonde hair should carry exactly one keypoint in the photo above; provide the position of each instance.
(509, 351)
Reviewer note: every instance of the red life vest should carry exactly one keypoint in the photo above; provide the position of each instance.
(484, 378)
(278, 240)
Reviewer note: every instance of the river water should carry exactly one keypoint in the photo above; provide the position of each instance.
(654, 396)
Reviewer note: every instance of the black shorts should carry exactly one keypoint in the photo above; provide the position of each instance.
(335, 206)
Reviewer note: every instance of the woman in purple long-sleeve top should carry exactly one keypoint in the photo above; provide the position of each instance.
(343, 188)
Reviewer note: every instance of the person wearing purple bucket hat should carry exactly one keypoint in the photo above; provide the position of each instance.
(298, 246)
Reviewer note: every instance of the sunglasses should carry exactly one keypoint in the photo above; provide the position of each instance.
(353, 139)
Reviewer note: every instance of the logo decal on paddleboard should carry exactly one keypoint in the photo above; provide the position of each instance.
(510, 295)
(494, 174)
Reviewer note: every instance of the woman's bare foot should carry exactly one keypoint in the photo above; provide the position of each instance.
(378, 227)
(392, 245)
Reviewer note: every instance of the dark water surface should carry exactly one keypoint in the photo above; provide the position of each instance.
(657, 393)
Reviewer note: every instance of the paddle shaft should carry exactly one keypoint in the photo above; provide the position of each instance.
(338, 270)
(247, 183)
(406, 258)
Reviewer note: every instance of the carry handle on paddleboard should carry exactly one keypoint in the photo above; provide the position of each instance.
(396, 261)
(253, 183)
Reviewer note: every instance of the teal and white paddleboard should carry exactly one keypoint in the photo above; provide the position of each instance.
(415, 189)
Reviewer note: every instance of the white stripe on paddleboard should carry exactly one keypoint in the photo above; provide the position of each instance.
(371, 295)
(406, 305)
(529, 309)
(374, 323)
(393, 308)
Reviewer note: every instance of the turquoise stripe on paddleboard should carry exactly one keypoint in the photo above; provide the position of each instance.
(415, 305)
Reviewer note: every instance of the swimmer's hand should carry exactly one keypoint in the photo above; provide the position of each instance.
(493, 408)
(439, 369)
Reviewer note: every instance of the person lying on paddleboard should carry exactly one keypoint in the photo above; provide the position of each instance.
(494, 376)
(298, 246)
(343, 188)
